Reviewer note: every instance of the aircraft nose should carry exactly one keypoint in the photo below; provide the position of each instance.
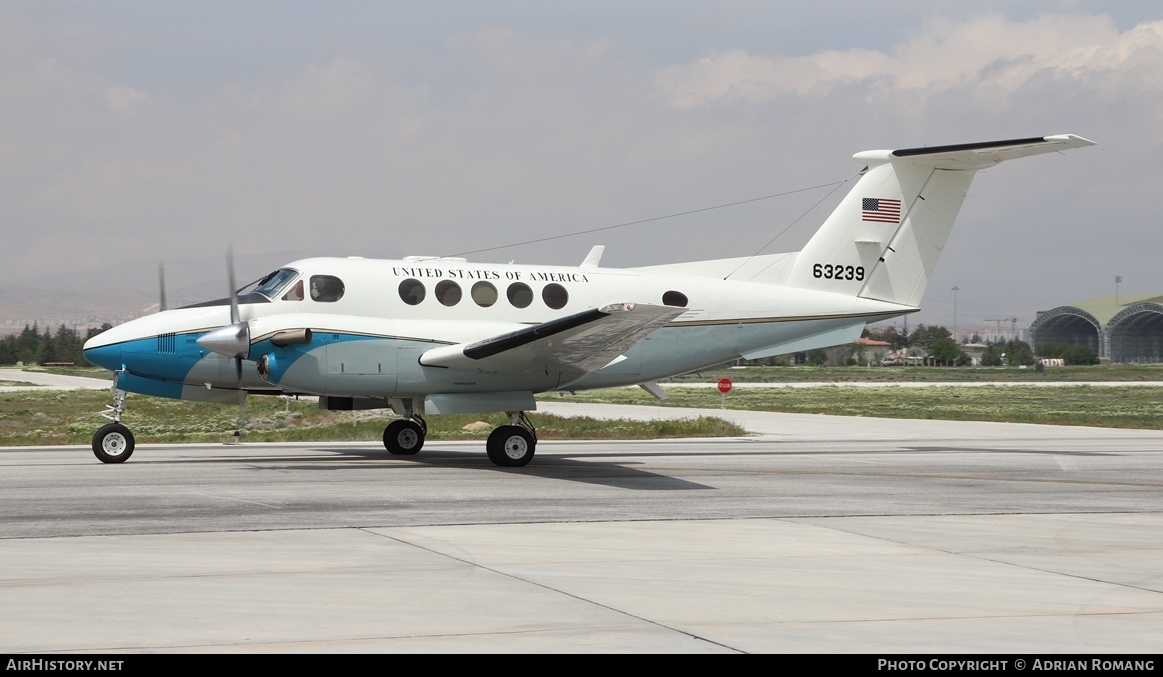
(107, 356)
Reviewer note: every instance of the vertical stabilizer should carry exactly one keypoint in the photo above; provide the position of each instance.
(883, 241)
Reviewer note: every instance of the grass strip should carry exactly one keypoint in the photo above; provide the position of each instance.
(71, 417)
(1105, 406)
(854, 374)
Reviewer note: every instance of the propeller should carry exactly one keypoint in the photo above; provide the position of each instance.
(161, 284)
(233, 341)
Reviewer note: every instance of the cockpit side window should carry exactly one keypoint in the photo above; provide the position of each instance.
(326, 288)
(295, 293)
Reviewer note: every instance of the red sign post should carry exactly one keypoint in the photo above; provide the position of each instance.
(724, 385)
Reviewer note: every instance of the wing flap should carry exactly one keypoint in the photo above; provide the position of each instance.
(585, 341)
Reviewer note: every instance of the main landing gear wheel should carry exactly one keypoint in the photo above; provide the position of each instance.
(403, 437)
(511, 446)
(113, 443)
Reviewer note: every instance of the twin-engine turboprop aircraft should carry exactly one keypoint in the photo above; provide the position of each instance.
(432, 335)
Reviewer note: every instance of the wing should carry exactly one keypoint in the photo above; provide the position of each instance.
(585, 341)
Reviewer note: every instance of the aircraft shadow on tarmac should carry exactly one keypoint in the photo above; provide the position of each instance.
(549, 465)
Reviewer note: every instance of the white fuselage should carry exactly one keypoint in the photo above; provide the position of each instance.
(367, 342)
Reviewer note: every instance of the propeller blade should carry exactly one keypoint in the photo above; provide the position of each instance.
(241, 395)
(161, 283)
(233, 340)
(230, 280)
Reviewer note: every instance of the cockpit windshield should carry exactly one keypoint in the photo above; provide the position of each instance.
(271, 285)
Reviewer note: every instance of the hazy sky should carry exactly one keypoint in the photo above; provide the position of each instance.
(133, 132)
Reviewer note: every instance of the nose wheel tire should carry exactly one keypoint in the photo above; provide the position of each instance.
(511, 446)
(403, 438)
(113, 443)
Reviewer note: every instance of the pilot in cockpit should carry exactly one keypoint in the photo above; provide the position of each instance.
(295, 293)
(325, 288)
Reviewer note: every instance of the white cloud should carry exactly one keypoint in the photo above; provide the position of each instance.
(120, 97)
(991, 54)
(330, 92)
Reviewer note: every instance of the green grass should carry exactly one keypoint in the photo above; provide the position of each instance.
(804, 374)
(71, 417)
(1104, 406)
(86, 371)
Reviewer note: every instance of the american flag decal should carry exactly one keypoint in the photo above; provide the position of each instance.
(881, 210)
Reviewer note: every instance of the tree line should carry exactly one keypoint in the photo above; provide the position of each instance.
(938, 344)
(31, 346)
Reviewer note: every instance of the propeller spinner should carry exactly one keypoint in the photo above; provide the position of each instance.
(233, 340)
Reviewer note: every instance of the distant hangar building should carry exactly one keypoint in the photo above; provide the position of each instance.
(1129, 330)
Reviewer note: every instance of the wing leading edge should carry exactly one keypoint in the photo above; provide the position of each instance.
(582, 342)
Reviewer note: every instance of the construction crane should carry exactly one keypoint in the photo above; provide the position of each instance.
(1013, 325)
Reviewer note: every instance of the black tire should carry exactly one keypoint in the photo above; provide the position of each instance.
(113, 443)
(403, 438)
(511, 446)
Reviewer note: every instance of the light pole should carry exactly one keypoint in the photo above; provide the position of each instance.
(955, 290)
(1118, 279)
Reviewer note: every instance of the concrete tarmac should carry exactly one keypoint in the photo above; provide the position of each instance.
(17, 379)
(818, 534)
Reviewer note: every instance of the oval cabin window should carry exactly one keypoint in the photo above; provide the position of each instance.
(520, 295)
(448, 293)
(412, 291)
(555, 296)
(484, 294)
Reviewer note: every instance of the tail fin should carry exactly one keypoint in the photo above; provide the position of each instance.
(883, 240)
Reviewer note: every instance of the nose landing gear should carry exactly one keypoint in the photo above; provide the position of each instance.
(113, 442)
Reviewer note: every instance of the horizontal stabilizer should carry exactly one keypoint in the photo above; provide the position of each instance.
(582, 342)
(978, 155)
